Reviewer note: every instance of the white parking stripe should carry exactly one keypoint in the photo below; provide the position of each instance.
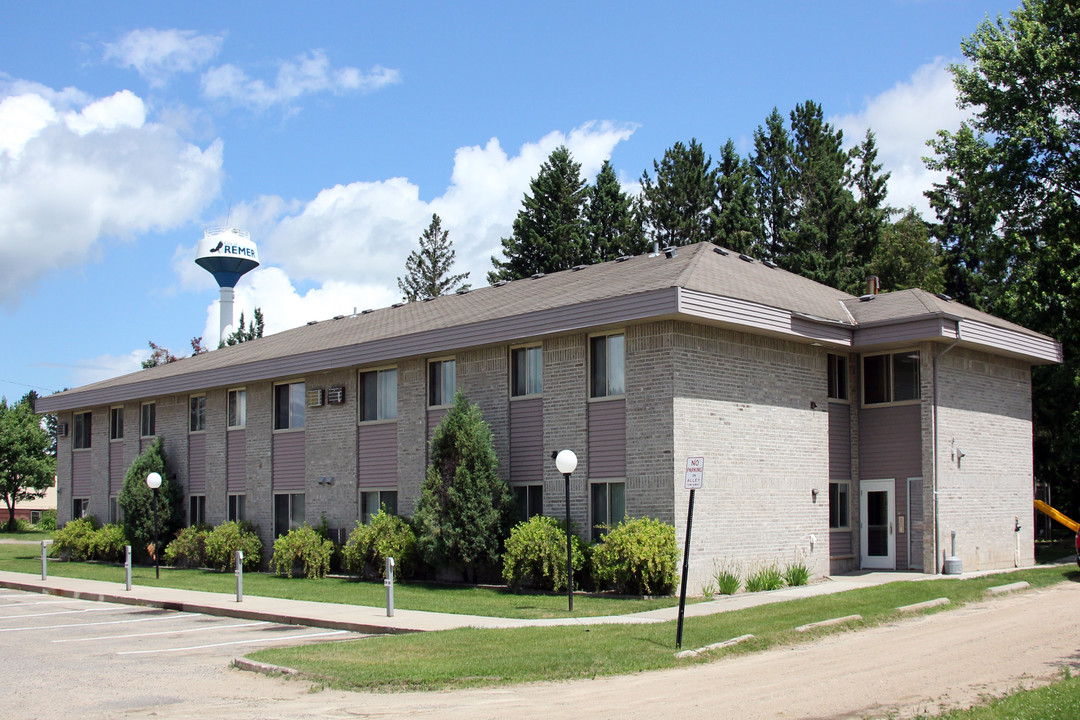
(163, 632)
(104, 622)
(237, 642)
(62, 612)
(43, 602)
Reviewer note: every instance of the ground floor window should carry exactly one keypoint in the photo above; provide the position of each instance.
(236, 508)
(371, 501)
(114, 510)
(80, 507)
(608, 506)
(530, 501)
(197, 510)
(288, 512)
(35, 517)
(839, 492)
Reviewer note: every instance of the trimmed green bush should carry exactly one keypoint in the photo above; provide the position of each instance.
(638, 557)
(72, 542)
(107, 543)
(188, 549)
(535, 555)
(223, 541)
(302, 548)
(48, 521)
(385, 536)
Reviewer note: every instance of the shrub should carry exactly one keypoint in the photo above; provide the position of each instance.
(73, 540)
(23, 525)
(766, 577)
(136, 500)
(385, 536)
(48, 521)
(302, 548)
(189, 548)
(535, 555)
(638, 557)
(107, 543)
(728, 578)
(797, 573)
(223, 541)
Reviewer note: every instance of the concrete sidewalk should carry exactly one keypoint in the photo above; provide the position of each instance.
(366, 619)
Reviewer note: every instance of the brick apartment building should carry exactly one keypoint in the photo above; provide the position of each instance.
(852, 432)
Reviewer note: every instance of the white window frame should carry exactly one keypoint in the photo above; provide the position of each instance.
(891, 354)
(381, 408)
(365, 512)
(116, 411)
(297, 398)
(594, 532)
(447, 399)
(143, 417)
(196, 509)
(530, 392)
(241, 395)
(196, 417)
(608, 395)
(84, 505)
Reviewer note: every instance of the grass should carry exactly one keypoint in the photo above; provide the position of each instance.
(489, 601)
(27, 535)
(1058, 701)
(465, 658)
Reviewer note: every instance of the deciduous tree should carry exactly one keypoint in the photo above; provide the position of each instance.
(26, 467)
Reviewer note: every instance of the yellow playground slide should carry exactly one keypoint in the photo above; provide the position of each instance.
(1055, 515)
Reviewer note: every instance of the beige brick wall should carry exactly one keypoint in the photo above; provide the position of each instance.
(565, 425)
(330, 451)
(483, 375)
(259, 502)
(216, 419)
(412, 432)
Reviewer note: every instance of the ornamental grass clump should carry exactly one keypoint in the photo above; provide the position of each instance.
(727, 577)
(765, 577)
(797, 572)
(535, 555)
(638, 557)
(303, 550)
(385, 536)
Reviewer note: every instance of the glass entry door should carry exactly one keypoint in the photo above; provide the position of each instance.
(878, 531)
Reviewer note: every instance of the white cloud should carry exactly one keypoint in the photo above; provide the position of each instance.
(72, 175)
(308, 73)
(157, 54)
(105, 367)
(903, 119)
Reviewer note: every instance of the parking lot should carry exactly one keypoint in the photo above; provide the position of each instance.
(99, 659)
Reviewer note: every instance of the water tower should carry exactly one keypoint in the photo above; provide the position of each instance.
(227, 253)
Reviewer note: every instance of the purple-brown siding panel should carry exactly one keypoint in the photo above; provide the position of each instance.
(288, 473)
(607, 439)
(840, 543)
(116, 468)
(196, 480)
(839, 441)
(889, 442)
(377, 455)
(80, 474)
(236, 462)
(527, 440)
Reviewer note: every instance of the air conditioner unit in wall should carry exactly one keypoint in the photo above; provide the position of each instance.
(315, 397)
(335, 396)
(61, 429)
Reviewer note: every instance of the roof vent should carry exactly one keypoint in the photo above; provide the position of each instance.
(429, 298)
(670, 252)
(946, 298)
(578, 267)
(720, 251)
(338, 317)
(866, 298)
(500, 283)
(769, 264)
(365, 312)
(623, 258)
(397, 305)
(536, 276)
(463, 290)
(313, 322)
(873, 285)
(747, 258)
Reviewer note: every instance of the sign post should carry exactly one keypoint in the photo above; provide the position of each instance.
(695, 473)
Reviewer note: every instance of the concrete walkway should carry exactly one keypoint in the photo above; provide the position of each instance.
(365, 619)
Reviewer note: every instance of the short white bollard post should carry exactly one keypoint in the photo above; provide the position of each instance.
(239, 576)
(127, 567)
(44, 571)
(389, 583)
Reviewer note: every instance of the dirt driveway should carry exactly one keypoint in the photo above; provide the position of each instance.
(911, 666)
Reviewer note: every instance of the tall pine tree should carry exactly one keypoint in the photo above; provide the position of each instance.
(611, 227)
(427, 271)
(871, 214)
(770, 166)
(735, 218)
(678, 204)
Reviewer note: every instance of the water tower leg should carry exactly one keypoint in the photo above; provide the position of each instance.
(226, 318)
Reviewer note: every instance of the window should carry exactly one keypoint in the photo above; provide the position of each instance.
(442, 377)
(526, 371)
(115, 516)
(196, 510)
(35, 517)
(288, 512)
(838, 505)
(236, 507)
(607, 359)
(149, 420)
(116, 423)
(890, 378)
(371, 501)
(378, 395)
(79, 508)
(237, 408)
(83, 427)
(197, 417)
(530, 500)
(837, 377)
(289, 406)
(608, 506)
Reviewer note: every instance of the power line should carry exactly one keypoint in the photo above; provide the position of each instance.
(32, 387)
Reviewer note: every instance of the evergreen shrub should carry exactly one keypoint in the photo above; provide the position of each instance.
(303, 549)
(638, 557)
(136, 500)
(535, 555)
(385, 536)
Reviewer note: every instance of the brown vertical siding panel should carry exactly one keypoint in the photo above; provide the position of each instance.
(840, 543)
(116, 468)
(607, 439)
(288, 471)
(236, 462)
(376, 449)
(889, 442)
(196, 480)
(80, 474)
(527, 440)
(839, 441)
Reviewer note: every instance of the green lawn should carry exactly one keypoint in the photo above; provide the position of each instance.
(464, 658)
(488, 601)
(1057, 701)
(27, 535)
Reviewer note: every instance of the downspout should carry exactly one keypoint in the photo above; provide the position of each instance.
(937, 529)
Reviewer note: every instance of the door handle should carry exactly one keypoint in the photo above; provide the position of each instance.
(890, 527)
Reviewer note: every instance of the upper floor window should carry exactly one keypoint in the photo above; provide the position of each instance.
(237, 408)
(526, 371)
(116, 423)
(890, 378)
(378, 395)
(289, 406)
(83, 427)
(607, 359)
(197, 416)
(442, 379)
(148, 424)
(837, 377)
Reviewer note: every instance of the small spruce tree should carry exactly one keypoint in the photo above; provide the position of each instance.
(428, 271)
(136, 502)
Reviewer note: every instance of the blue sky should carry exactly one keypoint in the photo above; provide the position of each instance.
(333, 133)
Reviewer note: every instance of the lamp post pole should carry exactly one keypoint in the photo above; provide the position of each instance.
(153, 480)
(566, 462)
